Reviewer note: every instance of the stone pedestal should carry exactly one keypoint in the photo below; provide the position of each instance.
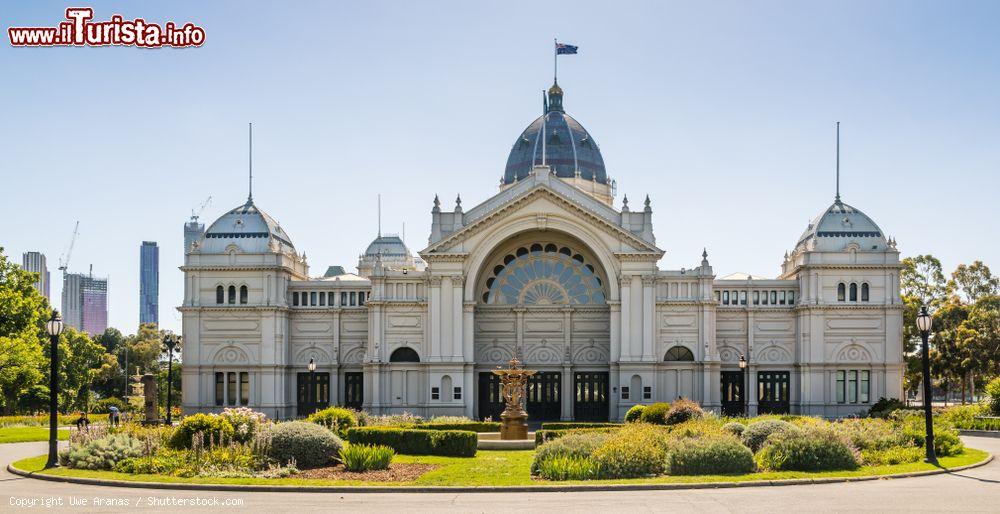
(150, 396)
(513, 425)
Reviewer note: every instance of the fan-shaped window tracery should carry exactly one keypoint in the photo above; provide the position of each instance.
(544, 275)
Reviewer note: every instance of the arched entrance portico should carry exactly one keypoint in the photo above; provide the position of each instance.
(543, 296)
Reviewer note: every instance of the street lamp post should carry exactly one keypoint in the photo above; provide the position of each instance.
(312, 385)
(170, 341)
(746, 386)
(54, 327)
(924, 326)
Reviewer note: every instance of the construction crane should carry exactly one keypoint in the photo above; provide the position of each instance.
(64, 258)
(195, 214)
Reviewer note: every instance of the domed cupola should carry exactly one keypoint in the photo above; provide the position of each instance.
(839, 226)
(250, 229)
(557, 140)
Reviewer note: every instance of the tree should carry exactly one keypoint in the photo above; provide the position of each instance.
(921, 277)
(23, 312)
(974, 281)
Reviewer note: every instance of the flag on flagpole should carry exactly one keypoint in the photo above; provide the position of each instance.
(564, 49)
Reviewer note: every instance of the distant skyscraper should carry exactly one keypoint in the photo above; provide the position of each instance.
(192, 233)
(85, 302)
(149, 282)
(35, 263)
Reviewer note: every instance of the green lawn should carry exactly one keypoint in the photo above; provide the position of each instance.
(28, 434)
(500, 468)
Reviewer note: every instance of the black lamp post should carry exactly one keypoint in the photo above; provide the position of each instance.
(312, 385)
(54, 327)
(746, 386)
(924, 326)
(170, 341)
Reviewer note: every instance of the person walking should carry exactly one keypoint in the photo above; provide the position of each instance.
(113, 416)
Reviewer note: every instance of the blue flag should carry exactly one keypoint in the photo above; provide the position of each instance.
(564, 49)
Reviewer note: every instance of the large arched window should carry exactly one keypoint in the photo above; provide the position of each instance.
(841, 292)
(232, 294)
(854, 292)
(243, 295)
(679, 353)
(864, 292)
(544, 275)
(220, 295)
(404, 354)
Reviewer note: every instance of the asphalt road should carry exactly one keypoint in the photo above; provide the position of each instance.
(974, 490)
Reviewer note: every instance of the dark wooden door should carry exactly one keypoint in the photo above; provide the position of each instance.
(772, 392)
(543, 398)
(733, 401)
(313, 392)
(590, 390)
(490, 400)
(354, 390)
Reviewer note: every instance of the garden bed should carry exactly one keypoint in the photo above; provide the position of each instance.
(396, 473)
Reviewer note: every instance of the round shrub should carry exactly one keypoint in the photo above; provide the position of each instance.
(634, 451)
(757, 433)
(337, 419)
(993, 390)
(102, 453)
(103, 406)
(308, 444)
(576, 445)
(635, 413)
(884, 407)
(362, 457)
(722, 456)
(212, 427)
(734, 427)
(683, 410)
(655, 413)
(245, 421)
(815, 450)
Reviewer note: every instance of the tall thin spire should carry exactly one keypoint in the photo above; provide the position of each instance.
(250, 195)
(837, 198)
(379, 215)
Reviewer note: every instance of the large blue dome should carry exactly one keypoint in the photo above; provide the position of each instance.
(569, 148)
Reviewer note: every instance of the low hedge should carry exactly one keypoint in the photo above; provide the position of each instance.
(453, 443)
(567, 425)
(471, 426)
(542, 436)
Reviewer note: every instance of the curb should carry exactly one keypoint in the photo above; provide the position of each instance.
(480, 489)
(980, 433)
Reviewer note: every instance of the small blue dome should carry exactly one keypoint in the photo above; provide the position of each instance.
(569, 148)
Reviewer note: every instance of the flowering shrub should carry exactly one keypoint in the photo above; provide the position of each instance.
(337, 419)
(101, 453)
(889, 456)
(406, 418)
(683, 410)
(245, 421)
(635, 451)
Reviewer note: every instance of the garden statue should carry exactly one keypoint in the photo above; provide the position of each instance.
(149, 389)
(513, 382)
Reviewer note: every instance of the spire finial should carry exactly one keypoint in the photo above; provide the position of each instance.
(250, 194)
(704, 256)
(837, 198)
(380, 215)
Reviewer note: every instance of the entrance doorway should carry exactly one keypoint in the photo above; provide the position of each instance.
(313, 392)
(542, 400)
(733, 401)
(590, 402)
(354, 388)
(772, 392)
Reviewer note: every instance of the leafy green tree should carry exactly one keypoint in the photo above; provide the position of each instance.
(921, 277)
(974, 281)
(23, 312)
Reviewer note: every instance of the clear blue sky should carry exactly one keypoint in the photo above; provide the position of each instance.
(723, 113)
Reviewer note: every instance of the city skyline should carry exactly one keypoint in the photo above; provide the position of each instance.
(149, 283)
(720, 114)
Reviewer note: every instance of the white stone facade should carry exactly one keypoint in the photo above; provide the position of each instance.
(555, 275)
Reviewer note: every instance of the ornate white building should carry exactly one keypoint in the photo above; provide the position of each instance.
(550, 271)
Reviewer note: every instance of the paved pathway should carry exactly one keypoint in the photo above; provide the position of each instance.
(975, 490)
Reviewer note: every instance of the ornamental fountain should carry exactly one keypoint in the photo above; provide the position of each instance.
(513, 382)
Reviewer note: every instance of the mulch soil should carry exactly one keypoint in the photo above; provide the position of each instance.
(395, 473)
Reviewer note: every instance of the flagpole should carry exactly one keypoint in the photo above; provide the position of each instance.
(555, 60)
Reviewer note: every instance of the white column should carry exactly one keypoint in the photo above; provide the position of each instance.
(616, 331)
(648, 321)
(457, 320)
(468, 331)
(626, 318)
(434, 311)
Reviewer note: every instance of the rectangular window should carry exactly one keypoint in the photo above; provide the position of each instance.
(852, 386)
(354, 298)
(756, 297)
(647, 393)
(231, 388)
(840, 387)
(781, 300)
(743, 297)
(435, 393)
(865, 386)
(322, 299)
(295, 299)
(244, 388)
(625, 392)
(219, 388)
(774, 298)
(763, 299)
(717, 297)
(343, 299)
(457, 393)
(312, 298)
(791, 298)
(361, 298)
(725, 298)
